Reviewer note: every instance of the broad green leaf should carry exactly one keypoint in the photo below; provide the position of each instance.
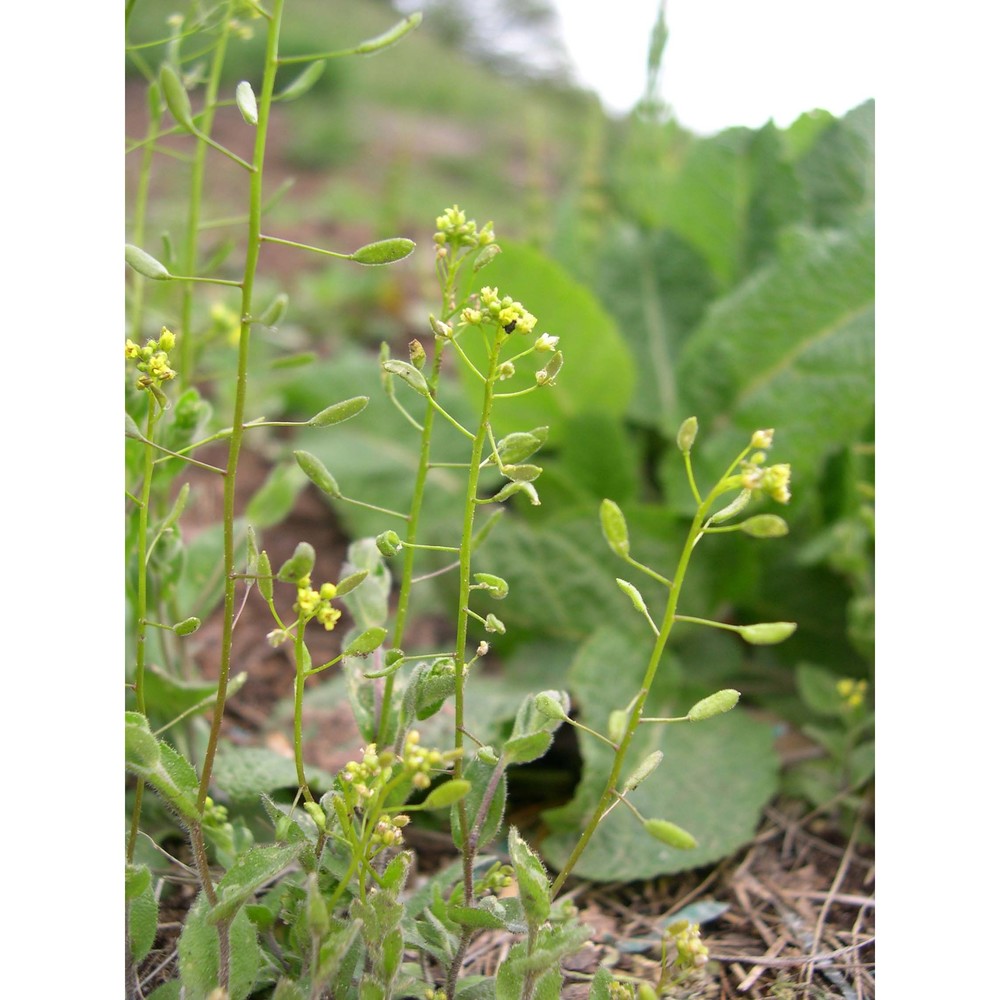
(600, 985)
(142, 919)
(368, 603)
(791, 348)
(167, 697)
(244, 773)
(251, 870)
(818, 689)
(599, 373)
(524, 749)
(166, 991)
(715, 777)
(479, 775)
(198, 950)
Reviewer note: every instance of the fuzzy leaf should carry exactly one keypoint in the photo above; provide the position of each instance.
(243, 773)
(198, 950)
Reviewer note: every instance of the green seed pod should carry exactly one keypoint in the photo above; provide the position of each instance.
(187, 626)
(765, 526)
(388, 543)
(265, 581)
(493, 624)
(714, 704)
(176, 97)
(447, 794)
(633, 594)
(351, 582)
(366, 643)
(547, 376)
(485, 256)
(686, 435)
(147, 265)
(617, 722)
(521, 445)
(548, 703)
(643, 771)
(408, 374)
(766, 633)
(731, 509)
(301, 563)
(670, 834)
(488, 756)
(316, 814)
(275, 310)
(521, 473)
(132, 429)
(495, 586)
(383, 251)
(339, 412)
(246, 102)
(390, 37)
(614, 528)
(304, 82)
(318, 473)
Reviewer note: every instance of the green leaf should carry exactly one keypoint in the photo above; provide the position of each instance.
(244, 773)
(142, 918)
(532, 879)
(524, 749)
(198, 951)
(368, 603)
(715, 779)
(600, 985)
(818, 689)
(249, 872)
(791, 348)
(273, 502)
(599, 375)
(478, 774)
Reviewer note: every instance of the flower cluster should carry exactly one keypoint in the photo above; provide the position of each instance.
(152, 360)
(852, 691)
(316, 603)
(455, 230)
(418, 762)
(691, 950)
(770, 479)
(505, 312)
(499, 877)
(361, 778)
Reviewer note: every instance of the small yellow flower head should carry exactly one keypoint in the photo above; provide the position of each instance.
(472, 316)
(454, 228)
(307, 600)
(489, 299)
(506, 371)
(762, 439)
(775, 482)
(328, 591)
(167, 340)
(546, 342)
(328, 617)
(691, 950)
(852, 691)
(131, 350)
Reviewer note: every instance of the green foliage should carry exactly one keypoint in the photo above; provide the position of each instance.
(728, 277)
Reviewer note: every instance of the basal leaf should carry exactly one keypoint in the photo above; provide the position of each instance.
(791, 348)
(251, 870)
(715, 778)
(244, 773)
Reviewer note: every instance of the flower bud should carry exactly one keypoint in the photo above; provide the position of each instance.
(418, 356)
(495, 586)
(714, 704)
(762, 439)
(246, 102)
(617, 721)
(686, 435)
(633, 595)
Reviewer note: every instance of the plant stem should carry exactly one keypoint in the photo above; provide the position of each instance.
(141, 601)
(190, 259)
(669, 616)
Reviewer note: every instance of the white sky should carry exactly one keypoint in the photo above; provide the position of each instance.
(728, 62)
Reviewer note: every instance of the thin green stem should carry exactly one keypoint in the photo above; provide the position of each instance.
(300, 686)
(141, 601)
(669, 617)
(195, 192)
